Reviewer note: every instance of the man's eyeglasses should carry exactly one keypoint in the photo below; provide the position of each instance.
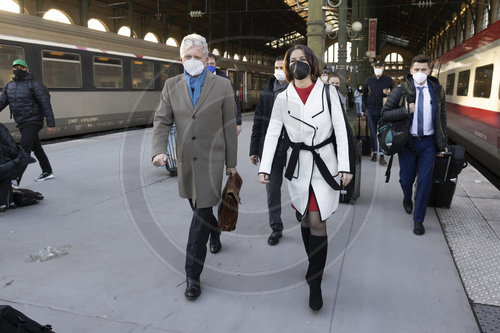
(197, 43)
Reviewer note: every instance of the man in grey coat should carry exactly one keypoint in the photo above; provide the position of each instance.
(204, 111)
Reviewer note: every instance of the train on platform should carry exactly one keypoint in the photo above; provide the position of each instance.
(470, 73)
(100, 81)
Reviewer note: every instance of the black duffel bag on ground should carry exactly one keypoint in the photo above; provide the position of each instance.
(24, 197)
(13, 321)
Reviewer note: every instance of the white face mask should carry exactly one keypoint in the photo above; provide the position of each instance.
(378, 71)
(420, 77)
(279, 74)
(193, 67)
(324, 78)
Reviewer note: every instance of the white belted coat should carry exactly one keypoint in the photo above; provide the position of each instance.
(311, 124)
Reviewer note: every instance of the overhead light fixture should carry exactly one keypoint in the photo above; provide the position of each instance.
(117, 3)
(196, 13)
(422, 3)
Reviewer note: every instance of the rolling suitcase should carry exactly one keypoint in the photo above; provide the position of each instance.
(171, 164)
(445, 176)
(363, 134)
(351, 192)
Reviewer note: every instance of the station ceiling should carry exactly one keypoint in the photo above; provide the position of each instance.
(254, 23)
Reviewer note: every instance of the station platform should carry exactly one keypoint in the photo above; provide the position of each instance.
(127, 231)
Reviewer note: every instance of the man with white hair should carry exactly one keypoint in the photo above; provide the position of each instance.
(204, 111)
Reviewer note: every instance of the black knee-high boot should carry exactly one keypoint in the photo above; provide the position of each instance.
(318, 247)
(306, 233)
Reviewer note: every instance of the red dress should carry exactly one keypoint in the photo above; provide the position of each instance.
(304, 94)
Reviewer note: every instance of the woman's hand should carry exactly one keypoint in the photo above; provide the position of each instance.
(263, 178)
(345, 178)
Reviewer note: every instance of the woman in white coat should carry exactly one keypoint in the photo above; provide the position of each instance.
(314, 166)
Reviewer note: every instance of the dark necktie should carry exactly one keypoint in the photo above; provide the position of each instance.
(420, 112)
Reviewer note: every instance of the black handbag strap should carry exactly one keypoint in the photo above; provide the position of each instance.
(388, 170)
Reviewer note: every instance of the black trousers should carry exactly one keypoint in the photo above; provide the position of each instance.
(202, 224)
(5, 192)
(31, 143)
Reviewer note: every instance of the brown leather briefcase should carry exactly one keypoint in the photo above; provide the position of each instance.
(228, 207)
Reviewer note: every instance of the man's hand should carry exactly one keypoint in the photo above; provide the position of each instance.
(238, 129)
(263, 178)
(160, 160)
(346, 178)
(51, 130)
(254, 159)
(410, 107)
(231, 171)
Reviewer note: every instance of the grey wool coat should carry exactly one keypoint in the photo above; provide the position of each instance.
(206, 135)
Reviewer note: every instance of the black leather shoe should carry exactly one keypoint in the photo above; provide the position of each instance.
(274, 238)
(382, 161)
(193, 289)
(215, 244)
(408, 205)
(374, 157)
(418, 229)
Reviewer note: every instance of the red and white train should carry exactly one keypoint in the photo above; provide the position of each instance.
(470, 73)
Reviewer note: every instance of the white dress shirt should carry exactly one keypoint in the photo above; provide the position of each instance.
(428, 122)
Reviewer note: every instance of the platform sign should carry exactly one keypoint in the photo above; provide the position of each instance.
(372, 35)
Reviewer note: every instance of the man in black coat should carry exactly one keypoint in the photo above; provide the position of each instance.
(375, 89)
(29, 103)
(425, 107)
(259, 129)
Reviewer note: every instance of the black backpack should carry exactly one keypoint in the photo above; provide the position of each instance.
(24, 197)
(393, 136)
(13, 321)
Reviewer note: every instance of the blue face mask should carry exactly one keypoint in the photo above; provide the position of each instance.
(211, 69)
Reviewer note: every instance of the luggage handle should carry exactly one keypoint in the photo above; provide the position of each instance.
(447, 169)
(343, 191)
(447, 154)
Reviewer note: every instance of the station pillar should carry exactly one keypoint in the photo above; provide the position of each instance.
(315, 29)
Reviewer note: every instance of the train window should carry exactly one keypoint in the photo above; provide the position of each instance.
(7, 56)
(142, 75)
(482, 81)
(249, 81)
(463, 83)
(256, 82)
(168, 71)
(108, 73)
(450, 84)
(61, 69)
(232, 77)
